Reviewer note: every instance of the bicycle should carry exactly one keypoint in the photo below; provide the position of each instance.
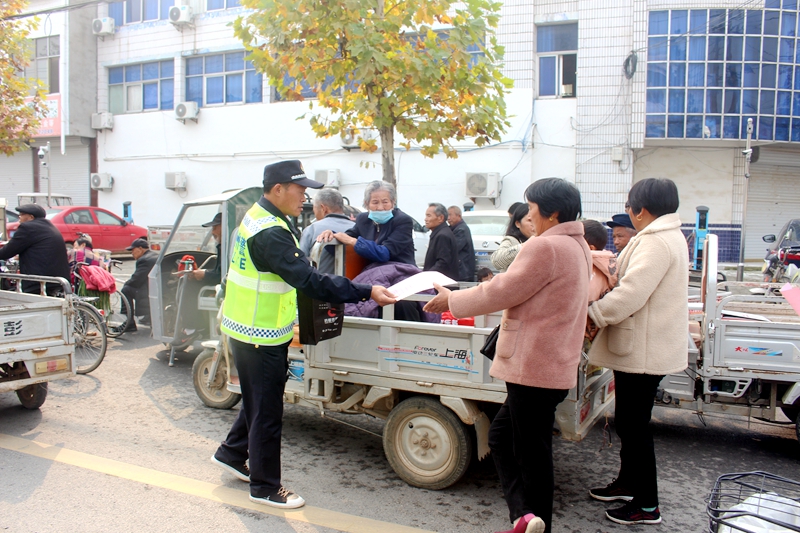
(114, 309)
(88, 327)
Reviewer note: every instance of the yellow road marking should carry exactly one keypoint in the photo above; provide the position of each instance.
(194, 487)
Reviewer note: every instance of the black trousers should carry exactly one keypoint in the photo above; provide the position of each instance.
(635, 394)
(521, 440)
(256, 432)
(139, 301)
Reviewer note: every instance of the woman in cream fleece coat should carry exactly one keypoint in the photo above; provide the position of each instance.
(544, 293)
(643, 338)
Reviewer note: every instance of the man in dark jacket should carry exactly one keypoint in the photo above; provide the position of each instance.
(136, 288)
(191, 318)
(466, 251)
(40, 246)
(442, 253)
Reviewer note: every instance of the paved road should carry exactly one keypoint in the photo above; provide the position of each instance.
(127, 448)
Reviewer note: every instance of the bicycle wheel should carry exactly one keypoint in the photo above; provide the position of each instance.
(119, 316)
(89, 335)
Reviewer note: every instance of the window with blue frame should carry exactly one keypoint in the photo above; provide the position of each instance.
(212, 5)
(221, 79)
(556, 46)
(135, 11)
(709, 70)
(141, 87)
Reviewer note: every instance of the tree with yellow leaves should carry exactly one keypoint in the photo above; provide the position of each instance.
(19, 120)
(428, 70)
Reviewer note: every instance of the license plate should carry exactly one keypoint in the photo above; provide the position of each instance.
(56, 365)
(481, 254)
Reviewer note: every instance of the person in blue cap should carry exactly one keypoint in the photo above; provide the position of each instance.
(622, 230)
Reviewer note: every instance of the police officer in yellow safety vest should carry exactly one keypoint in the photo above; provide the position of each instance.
(258, 314)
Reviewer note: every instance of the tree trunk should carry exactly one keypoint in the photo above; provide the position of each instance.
(387, 154)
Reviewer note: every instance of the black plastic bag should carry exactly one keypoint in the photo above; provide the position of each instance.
(319, 320)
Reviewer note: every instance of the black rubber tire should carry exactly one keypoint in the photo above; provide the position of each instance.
(426, 444)
(89, 334)
(217, 396)
(116, 320)
(790, 411)
(32, 396)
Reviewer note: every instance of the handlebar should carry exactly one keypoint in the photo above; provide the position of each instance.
(43, 280)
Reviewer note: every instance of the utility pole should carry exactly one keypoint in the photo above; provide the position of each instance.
(44, 159)
(748, 153)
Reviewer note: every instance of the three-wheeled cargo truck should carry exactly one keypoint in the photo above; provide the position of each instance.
(36, 340)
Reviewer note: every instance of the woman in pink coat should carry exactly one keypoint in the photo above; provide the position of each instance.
(544, 294)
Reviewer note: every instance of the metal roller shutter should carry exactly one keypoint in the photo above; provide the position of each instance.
(16, 176)
(69, 172)
(774, 198)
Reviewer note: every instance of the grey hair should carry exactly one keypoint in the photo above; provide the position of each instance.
(439, 210)
(330, 198)
(456, 210)
(376, 186)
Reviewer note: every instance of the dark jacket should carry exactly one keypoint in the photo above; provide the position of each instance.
(145, 263)
(379, 243)
(213, 276)
(466, 252)
(41, 250)
(442, 253)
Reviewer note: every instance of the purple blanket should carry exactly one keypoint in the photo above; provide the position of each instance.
(386, 275)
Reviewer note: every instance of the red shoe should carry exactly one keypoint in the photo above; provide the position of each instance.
(530, 523)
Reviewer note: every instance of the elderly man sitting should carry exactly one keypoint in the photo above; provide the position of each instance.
(329, 211)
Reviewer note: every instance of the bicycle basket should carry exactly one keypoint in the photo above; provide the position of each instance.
(754, 502)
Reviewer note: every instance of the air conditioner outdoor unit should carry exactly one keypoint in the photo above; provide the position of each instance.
(101, 182)
(352, 140)
(180, 15)
(331, 177)
(175, 180)
(186, 111)
(102, 121)
(483, 184)
(103, 26)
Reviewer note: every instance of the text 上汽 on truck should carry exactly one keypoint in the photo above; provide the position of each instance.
(744, 351)
(36, 344)
(428, 381)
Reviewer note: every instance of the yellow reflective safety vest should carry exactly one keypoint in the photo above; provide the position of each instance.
(259, 308)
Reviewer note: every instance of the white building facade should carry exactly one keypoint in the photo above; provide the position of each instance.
(607, 92)
(64, 61)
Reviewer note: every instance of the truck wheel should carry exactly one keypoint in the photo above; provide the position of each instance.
(426, 444)
(217, 395)
(33, 396)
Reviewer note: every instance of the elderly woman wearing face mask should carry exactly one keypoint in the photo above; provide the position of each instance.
(382, 234)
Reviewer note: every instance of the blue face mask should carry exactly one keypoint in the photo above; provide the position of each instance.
(380, 217)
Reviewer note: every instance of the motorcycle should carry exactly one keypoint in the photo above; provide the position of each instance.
(781, 263)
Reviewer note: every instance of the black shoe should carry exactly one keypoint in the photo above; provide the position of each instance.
(239, 470)
(282, 498)
(130, 327)
(630, 514)
(611, 493)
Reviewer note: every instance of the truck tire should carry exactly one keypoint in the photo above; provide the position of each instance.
(426, 444)
(33, 396)
(217, 395)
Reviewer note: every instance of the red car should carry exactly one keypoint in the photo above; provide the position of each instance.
(107, 230)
